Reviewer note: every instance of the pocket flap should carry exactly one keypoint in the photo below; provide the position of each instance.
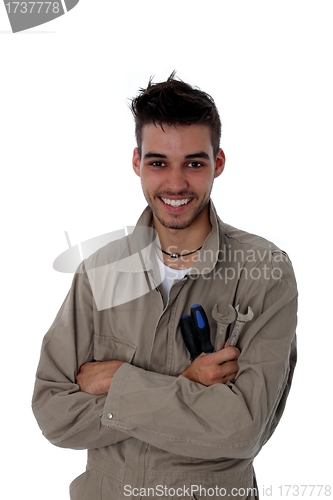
(106, 348)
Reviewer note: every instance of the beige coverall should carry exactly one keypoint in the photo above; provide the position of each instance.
(157, 434)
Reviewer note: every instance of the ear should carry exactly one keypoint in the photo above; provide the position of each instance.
(219, 163)
(136, 160)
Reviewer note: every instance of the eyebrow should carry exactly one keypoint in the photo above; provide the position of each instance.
(154, 155)
(200, 154)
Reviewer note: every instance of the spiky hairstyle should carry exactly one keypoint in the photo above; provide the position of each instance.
(175, 102)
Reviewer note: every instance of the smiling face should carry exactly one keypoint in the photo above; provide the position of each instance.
(177, 168)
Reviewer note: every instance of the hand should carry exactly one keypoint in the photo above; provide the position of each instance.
(216, 368)
(95, 377)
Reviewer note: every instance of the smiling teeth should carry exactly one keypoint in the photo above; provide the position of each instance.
(176, 203)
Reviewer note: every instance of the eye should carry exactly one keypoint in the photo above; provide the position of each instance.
(195, 164)
(158, 164)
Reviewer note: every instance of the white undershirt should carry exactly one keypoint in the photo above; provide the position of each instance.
(170, 275)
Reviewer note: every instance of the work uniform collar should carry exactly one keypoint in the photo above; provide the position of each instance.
(132, 263)
(207, 256)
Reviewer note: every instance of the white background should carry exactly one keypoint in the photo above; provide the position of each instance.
(66, 143)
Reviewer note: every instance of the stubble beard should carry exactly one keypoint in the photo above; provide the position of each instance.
(174, 223)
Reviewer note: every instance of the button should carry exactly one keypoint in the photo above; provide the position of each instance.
(109, 416)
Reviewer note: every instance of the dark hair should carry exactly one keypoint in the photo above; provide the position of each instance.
(175, 102)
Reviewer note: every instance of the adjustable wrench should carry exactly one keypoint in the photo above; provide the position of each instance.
(240, 322)
(223, 320)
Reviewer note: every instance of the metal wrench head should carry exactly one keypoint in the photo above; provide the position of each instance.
(225, 319)
(244, 318)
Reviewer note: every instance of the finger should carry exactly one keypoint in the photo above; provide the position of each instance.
(232, 352)
(228, 368)
(226, 354)
(221, 373)
(229, 378)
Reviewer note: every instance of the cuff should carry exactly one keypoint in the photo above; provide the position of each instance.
(111, 412)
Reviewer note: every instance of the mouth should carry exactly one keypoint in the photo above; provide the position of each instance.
(176, 203)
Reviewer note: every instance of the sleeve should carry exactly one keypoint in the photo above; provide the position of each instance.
(68, 417)
(220, 421)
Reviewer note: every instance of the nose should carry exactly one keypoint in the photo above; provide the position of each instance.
(177, 180)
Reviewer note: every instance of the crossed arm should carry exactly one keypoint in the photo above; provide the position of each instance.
(207, 369)
(72, 408)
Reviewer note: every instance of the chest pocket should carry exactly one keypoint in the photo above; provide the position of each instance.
(107, 348)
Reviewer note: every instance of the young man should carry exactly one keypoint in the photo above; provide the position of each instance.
(115, 376)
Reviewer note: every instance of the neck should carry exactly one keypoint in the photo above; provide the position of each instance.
(183, 241)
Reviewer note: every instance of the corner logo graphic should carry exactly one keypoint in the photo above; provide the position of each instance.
(69, 260)
(25, 15)
(119, 274)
